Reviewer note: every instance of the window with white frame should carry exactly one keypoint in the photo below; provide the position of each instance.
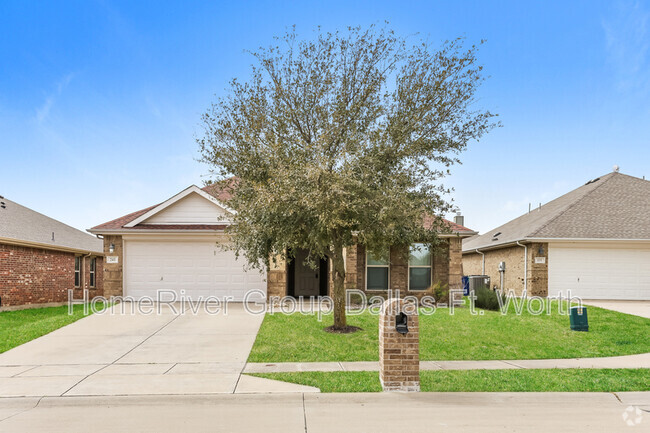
(77, 271)
(93, 263)
(419, 267)
(377, 271)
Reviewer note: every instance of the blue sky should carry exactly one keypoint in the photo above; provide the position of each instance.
(100, 100)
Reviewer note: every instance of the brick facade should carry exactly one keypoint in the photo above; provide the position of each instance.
(536, 274)
(399, 354)
(39, 276)
(446, 269)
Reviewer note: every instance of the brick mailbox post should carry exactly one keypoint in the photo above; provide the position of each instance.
(399, 346)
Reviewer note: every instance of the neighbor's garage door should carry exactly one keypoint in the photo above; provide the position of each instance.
(599, 273)
(200, 268)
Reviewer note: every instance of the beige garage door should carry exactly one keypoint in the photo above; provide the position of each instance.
(599, 273)
(198, 268)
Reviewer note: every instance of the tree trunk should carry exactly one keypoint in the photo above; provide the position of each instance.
(338, 292)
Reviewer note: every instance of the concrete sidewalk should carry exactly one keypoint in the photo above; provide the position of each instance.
(628, 361)
(316, 413)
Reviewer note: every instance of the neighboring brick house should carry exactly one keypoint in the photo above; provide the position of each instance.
(593, 241)
(41, 258)
(175, 247)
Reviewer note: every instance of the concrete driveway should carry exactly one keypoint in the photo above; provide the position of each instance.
(129, 353)
(636, 308)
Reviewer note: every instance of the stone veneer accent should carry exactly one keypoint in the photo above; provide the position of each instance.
(113, 272)
(399, 354)
(276, 279)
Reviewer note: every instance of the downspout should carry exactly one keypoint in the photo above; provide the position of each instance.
(525, 267)
(82, 271)
(483, 268)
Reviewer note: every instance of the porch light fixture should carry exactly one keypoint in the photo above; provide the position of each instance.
(540, 251)
(111, 248)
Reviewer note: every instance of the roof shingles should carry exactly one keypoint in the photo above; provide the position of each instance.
(23, 225)
(223, 194)
(616, 206)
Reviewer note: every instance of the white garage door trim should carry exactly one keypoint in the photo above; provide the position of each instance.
(195, 265)
(599, 271)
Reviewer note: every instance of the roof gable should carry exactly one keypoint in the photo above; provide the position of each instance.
(219, 193)
(190, 206)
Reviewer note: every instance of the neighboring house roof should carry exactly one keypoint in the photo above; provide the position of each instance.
(613, 206)
(222, 191)
(23, 226)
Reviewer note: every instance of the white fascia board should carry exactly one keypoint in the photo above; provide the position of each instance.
(457, 234)
(174, 199)
(587, 240)
(158, 231)
(554, 240)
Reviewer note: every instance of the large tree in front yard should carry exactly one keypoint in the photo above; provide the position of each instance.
(343, 138)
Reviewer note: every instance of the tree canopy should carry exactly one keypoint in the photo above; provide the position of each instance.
(343, 138)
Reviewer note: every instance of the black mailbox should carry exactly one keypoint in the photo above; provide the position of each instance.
(401, 323)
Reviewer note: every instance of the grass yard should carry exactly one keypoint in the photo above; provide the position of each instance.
(300, 338)
(19, 327)
(551, 380)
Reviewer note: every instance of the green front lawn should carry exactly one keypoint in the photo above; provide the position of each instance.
(300, 338)
(19, 327)
(552, 380)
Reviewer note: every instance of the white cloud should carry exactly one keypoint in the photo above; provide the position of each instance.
(627, 39)
(43, 112)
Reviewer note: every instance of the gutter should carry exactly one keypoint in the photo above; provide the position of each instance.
(588, 240)
(135, 231)
(494, 247)
(483, 254)
(549, 240)
(525, 267)
(83, 272)
(39, 245)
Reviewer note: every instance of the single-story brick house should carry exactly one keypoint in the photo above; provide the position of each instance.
(174, 246)
(42, 258)
(593, 241)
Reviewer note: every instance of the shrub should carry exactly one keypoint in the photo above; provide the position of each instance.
(440, 293)
(488, 299)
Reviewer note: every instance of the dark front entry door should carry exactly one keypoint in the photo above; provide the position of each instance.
(307, 281)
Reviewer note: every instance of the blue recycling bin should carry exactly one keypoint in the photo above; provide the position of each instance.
(465, 286)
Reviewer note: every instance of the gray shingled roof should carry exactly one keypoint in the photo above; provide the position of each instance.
(19, 223)
(614, 206)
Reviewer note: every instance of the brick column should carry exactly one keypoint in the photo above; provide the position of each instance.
(276, 285)
(113, 272)
(399, 354)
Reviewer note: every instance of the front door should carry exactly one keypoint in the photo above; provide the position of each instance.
(307, 278)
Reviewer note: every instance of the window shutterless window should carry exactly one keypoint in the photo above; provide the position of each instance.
(377, 271)
(419, 267)
(77, 271)
(92, 271)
